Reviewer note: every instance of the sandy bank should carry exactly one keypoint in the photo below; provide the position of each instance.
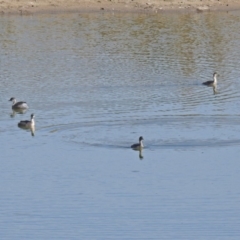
(51, 6)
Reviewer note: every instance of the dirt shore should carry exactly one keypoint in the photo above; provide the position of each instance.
(54, 6)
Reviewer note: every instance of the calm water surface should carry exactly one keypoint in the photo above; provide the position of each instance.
(96, 82)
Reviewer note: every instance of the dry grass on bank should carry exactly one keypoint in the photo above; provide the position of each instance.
(38, 6)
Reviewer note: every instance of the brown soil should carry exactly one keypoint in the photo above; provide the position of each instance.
(55, 6)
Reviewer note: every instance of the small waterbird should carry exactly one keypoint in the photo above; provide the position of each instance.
(138, 146)
(212, 83)
(18, 105)
(27, 124)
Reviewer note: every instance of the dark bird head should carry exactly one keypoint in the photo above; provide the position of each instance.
(140, 139)
(12, 99)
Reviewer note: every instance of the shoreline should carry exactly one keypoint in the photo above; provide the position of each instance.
(25, 7)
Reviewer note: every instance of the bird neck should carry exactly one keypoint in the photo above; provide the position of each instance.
(215, 79)
(14, 101)
(32, 121)
(141, 143)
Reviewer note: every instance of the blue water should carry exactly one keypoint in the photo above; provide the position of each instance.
(96, 82)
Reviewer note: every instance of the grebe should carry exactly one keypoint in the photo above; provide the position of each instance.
(18, 105)
(27, 123)
(212, 83)
(138, 146)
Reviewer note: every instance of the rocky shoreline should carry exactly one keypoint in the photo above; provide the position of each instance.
(25, 7)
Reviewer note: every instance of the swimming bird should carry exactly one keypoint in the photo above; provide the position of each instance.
(27, 124)
(138, 146)
(212, 83)
(18, 105)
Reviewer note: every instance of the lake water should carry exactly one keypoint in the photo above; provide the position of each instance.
(96, 82)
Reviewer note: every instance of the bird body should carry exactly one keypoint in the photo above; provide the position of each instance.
(18, 105)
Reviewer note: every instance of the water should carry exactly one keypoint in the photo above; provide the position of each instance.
(96, 82)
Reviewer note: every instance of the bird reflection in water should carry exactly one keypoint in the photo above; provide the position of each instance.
(214, 90)
(17, 111)
(140, 154)
(31, 129)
